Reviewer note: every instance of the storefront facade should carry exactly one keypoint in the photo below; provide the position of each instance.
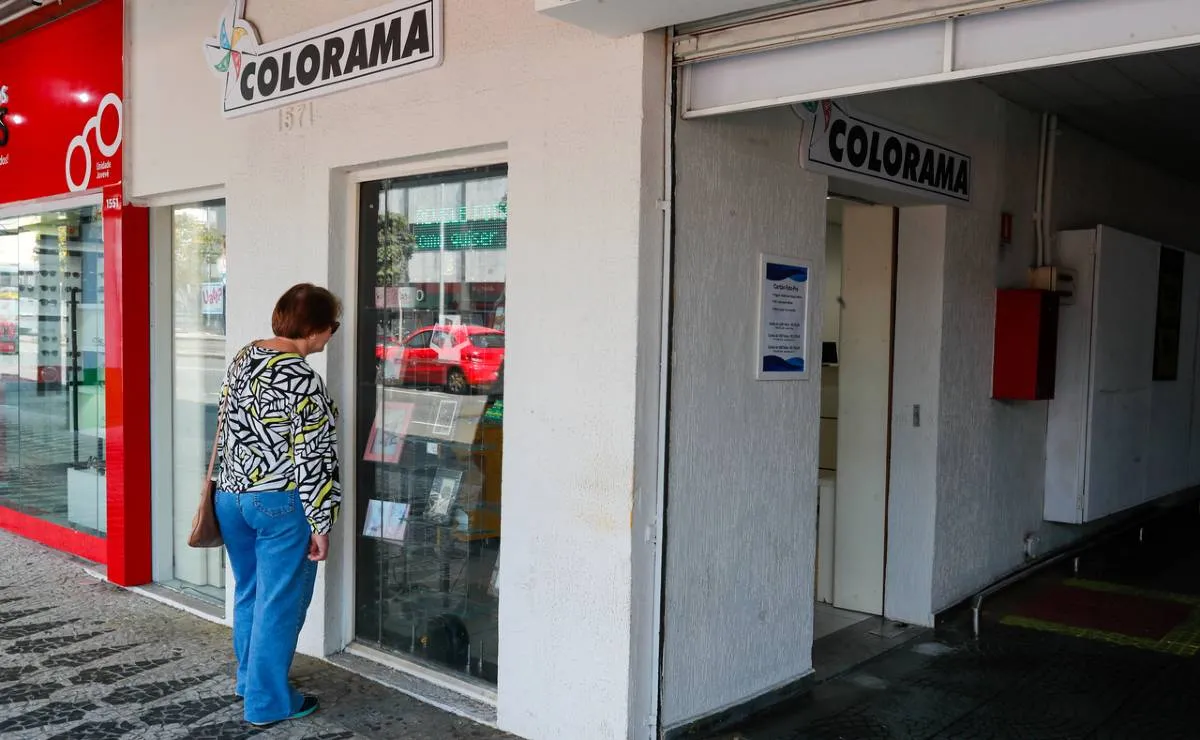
(74, 438)
(962, 490)
(481, 187)
(570, 497)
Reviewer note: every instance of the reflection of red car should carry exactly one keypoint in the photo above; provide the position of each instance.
(457, 358)
(8, 338)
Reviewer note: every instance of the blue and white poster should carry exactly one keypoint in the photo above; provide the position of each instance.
(782, 319)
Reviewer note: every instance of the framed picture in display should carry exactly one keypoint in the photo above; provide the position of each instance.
(443, 495)
(388, 431)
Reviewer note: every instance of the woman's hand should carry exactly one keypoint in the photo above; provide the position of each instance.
(318, 547)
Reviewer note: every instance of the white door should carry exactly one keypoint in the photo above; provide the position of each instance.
(864, 396)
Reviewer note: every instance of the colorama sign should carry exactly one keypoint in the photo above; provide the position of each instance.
(61, 126)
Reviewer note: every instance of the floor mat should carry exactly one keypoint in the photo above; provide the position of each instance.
(1112, 613)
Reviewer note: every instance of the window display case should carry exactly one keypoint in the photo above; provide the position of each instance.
(430, 418)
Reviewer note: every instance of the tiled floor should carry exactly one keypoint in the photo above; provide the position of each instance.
(1022, 683)
(828, 619)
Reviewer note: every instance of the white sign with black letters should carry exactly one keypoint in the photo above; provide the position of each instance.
(847, 145)
(399, 38)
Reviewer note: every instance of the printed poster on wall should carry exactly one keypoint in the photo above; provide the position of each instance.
(782, 318)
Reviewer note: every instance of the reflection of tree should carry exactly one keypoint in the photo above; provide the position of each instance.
(198, 248)
(396, 244)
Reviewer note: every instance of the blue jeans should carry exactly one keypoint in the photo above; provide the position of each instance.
(267, 536)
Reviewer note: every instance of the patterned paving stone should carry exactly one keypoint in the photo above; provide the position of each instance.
(12, 616)
(222, 731)
(110, 663)
(188, 713)
(15, 672)
(15, 632)
(86, 656)
(115, 730)
(54, 713)
(149, 692)
(46, 644)
(109, 675)
(27, 692)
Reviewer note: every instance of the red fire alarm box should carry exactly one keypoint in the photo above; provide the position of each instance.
(1026, 345)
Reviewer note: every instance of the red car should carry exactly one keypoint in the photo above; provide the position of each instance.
(456, 358)
(8, 338)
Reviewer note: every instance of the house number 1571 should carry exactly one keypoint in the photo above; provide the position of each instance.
(294, 117)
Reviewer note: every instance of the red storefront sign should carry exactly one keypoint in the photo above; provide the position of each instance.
(61, 110)
(61, 90)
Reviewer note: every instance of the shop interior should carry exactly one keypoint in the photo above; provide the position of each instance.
(52, 414)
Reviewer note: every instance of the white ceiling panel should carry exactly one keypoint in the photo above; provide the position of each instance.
(1145, 104)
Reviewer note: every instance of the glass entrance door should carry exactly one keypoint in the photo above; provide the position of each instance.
(198, 368)
(430, 412)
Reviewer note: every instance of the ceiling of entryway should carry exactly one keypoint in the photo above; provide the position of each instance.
(1146, 104)
(11, 8)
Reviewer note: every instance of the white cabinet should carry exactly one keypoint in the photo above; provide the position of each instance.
(1115, 437)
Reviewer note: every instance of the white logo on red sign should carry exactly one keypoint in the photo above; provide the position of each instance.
(107, 148)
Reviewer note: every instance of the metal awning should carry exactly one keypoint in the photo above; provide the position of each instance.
(12, 9)
(1019, 38)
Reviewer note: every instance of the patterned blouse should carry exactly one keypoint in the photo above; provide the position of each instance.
(280, 433)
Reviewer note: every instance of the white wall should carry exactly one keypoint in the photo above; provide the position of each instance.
(742, 486)
(567, 111)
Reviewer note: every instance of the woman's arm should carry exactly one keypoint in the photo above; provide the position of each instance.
(314, 445)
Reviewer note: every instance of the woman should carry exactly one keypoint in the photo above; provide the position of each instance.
(278, 495)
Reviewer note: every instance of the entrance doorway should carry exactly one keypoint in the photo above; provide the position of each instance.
(856, 382)
(190, 300)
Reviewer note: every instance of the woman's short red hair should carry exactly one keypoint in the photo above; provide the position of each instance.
(305, 310)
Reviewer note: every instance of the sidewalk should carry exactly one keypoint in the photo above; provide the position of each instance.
(80, 658)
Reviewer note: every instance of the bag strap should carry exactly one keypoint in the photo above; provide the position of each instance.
(226, 392)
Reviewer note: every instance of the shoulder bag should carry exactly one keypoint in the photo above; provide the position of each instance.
(206, 532)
